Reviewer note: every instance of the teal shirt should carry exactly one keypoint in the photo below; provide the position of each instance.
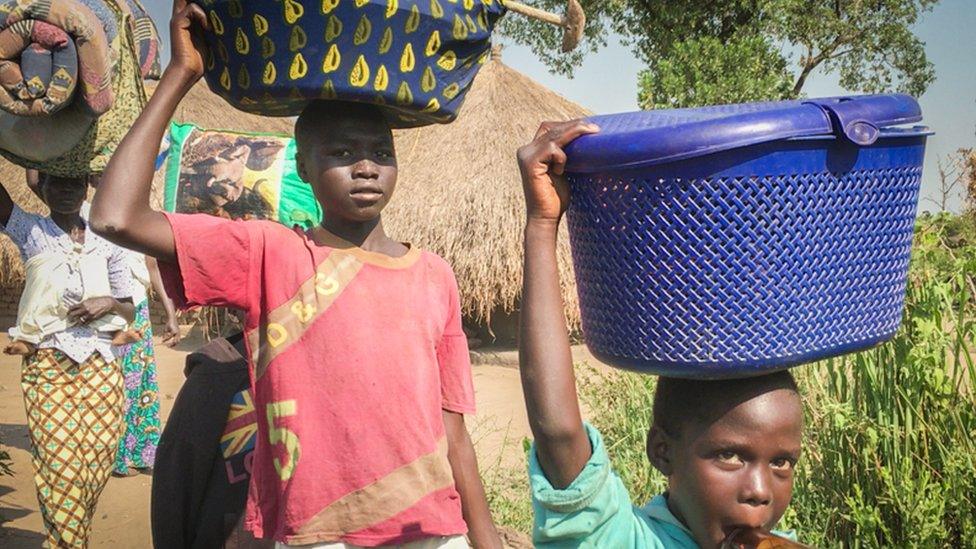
(595, 510)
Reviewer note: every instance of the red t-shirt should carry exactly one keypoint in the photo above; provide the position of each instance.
(353, 357)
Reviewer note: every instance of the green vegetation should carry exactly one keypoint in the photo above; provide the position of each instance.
(890, 450)
(702, 52)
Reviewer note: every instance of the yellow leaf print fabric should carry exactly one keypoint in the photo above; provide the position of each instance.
(416, 58)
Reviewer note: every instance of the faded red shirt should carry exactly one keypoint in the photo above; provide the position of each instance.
(353, 357)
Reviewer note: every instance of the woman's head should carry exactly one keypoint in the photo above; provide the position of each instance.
(63, 195)
(728, 448)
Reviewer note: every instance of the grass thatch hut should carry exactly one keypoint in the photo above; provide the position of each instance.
(460, 194)
(459, 191)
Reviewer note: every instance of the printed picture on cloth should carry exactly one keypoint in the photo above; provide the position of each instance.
(236, 176)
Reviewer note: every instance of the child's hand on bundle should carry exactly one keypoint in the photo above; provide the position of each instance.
(542, 162)
(187, 42)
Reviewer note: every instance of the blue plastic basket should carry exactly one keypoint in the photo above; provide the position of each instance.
(736, 240)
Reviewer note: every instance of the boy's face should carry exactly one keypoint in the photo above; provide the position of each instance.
(63, 195)
(736, 471)
(352, 168)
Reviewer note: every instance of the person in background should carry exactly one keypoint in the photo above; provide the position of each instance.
(203, 466)
(72, 380)
(137, 447)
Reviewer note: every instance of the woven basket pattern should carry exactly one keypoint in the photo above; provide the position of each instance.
(732, 275)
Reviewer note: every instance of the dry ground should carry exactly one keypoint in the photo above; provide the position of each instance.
(122, 520)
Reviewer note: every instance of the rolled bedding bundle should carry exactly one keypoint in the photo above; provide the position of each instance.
(47, 46)
(70, 81)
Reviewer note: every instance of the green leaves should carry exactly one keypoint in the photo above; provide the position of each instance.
(890, 430)
(868, 43)
(713, 51)
(708, 71)
(545, 39)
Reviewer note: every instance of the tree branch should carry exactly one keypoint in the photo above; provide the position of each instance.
(841, 54)
(811, 62)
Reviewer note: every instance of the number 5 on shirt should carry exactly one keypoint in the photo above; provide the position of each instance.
(285, 436)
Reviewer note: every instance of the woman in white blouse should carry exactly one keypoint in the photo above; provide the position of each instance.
(72, 383)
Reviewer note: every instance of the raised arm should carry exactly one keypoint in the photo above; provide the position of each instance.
(545, 360)
(121, 212)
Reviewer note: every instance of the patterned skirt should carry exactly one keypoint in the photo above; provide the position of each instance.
(74, 417)
(137, 447)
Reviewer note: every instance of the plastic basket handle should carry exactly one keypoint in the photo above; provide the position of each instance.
(860, 119)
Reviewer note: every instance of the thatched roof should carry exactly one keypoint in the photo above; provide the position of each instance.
(12, 177)
(207, 110)
(459, 192)
(201, 107)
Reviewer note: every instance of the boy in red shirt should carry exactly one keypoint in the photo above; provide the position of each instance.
(359, 366)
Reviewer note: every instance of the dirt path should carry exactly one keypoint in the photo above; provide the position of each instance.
(122, 520)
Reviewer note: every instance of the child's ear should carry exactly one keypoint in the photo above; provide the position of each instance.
(659, 445)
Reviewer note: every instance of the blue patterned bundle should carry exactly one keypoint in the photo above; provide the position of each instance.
(417, 58)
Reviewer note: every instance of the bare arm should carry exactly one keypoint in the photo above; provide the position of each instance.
(33, 180)
(171, 335)
(121, 212)
(125, 308)
(464, 464)
(6, 206)
(545, 360)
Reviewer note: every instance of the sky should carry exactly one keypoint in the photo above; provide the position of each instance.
(607, 80)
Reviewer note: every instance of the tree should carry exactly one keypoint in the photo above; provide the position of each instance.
(868, 42)
(707, 51)
(953, 178)
(970, 162)
(545, 39)
(746, 68)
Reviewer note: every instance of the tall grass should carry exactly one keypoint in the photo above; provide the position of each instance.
(890, 438)
(890, 445)
(891, 457)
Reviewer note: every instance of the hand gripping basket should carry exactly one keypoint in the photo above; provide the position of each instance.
(415, 57)
(735, 240)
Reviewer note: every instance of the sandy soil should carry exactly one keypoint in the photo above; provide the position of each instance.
(122, 519)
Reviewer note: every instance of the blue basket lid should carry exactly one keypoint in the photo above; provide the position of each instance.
(637, 139)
